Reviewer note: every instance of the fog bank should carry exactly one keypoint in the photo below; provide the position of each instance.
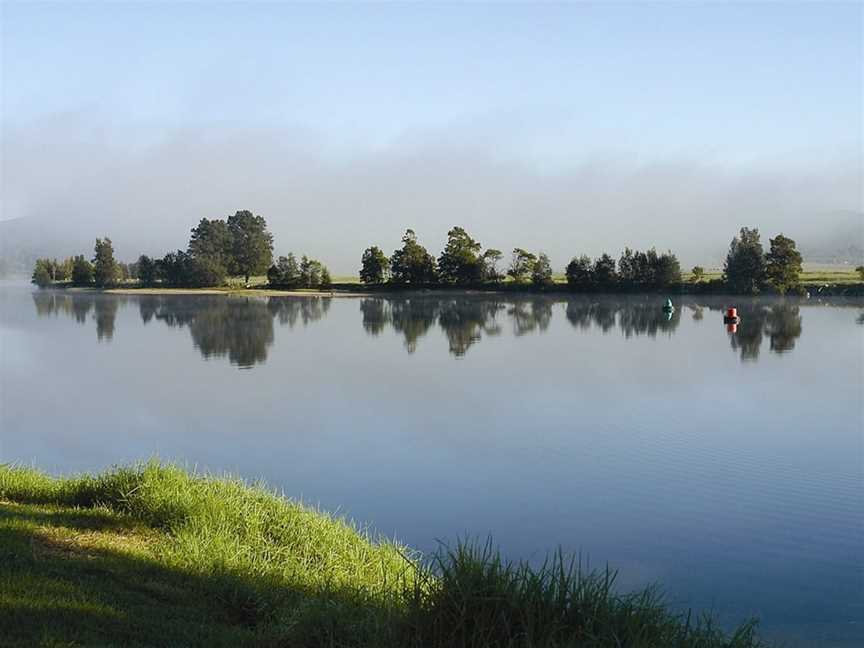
(71, 181)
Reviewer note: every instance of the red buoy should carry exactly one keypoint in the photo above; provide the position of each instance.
(731, 317)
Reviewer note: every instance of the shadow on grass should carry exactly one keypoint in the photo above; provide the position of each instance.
(61, 585)
(152, 555)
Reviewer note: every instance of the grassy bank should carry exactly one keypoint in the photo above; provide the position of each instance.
(828, 280)
(153, 555)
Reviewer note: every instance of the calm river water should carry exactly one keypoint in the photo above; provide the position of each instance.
(725, 466)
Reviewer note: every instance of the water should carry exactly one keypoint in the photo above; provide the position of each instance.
(726, 466)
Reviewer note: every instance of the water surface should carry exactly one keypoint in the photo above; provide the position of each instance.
(725, 465)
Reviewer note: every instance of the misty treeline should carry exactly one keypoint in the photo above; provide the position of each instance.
(240, 245)
(748, 268)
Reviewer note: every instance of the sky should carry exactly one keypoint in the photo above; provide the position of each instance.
(567, 128)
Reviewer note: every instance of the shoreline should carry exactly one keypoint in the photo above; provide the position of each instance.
(560, 289)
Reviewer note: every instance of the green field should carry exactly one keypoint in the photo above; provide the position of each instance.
(155, 556)
(839, 275)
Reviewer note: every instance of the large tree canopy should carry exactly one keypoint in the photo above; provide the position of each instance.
(604, 270)
(744, 270)
(104, 265)
(541, 275)
(783, 264)
(82, 271)
(252, 244)
(579, 271)
(521, 265)
(211, 246)
(412, 263)
(375, 266)
(460, 261)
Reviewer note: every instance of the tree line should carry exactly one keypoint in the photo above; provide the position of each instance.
(240, 245)
(748, 268)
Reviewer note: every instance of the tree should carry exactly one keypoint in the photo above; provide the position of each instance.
(541, 275)
(521, 265)
(629, 266)
(43, 273)
(82, 271)
(860, 271)
(285, 272)
(637, 268)
(65, 268)
(460, 262)
(375, 266)
(122, 272)
(412, 263)
(146, 270)
(326, 281)
(666, 269)
(698, 272)
(604, 270)
(311, 272)
(211, 246)
(488, 266)
(181, 269)
(744, 270)
(60, 271)
(104, 265)
(783, 264)
(579, 271)
(251, 244)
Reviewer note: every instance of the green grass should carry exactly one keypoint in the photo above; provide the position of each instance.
(154, 555)
(829, 274)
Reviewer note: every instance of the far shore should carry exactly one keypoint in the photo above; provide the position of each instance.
(354, 290)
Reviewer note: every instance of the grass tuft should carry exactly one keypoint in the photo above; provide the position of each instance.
(154, 555)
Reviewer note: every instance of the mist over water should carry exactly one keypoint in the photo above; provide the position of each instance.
(724, 465)
(72, 182)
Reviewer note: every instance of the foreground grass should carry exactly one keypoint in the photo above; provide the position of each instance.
(152, 555)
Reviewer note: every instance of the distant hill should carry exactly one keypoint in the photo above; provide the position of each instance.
(23, 240)
(841, 243)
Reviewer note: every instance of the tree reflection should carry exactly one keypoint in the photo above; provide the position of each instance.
(531, 315)
(632, 317)
(779, 321)
(242, 329)
(78, 307)
(71, 305)
(646, 319)
(105, 314)
(413, 318)
(376, 315)
(783, 326)
(465, 321)
(291, 310)
(748, 337)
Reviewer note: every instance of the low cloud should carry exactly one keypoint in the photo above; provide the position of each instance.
(72, 180)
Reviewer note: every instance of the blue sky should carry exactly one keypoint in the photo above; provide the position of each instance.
(769, 87)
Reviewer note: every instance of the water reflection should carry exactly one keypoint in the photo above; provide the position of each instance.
(305, 310)
(242, 328)
(780, 322)
(78, 307)
(464, 320)
(633, 317)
